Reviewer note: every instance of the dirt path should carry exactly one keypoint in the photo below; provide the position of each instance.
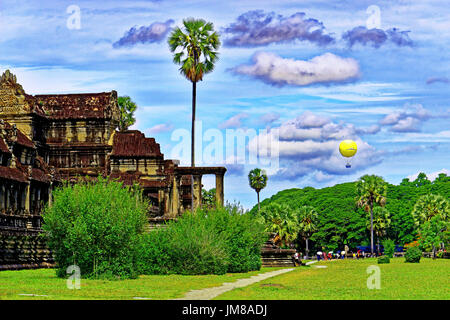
(210, 293)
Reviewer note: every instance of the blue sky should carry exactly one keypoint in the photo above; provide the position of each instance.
(311, 72)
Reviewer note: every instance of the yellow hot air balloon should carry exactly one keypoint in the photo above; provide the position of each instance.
(348, 149)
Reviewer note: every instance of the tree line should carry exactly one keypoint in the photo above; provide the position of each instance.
(363, 212)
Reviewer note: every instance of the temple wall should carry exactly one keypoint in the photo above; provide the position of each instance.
(80, 131)
(24, 251)
(145, 166)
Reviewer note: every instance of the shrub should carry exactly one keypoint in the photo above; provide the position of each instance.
(383, 259)
(210, 241)
(389, 247)
(413, 254)
(96, 226)
(243, 235)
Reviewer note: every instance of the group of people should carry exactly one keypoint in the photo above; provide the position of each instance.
(360, 254)
(322, 255)
(330, 255)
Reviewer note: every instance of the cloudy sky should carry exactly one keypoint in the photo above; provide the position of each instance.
(301, 75)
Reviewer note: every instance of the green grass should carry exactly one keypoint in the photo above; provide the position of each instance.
(343, 279)
(159, 287)
(347, 279)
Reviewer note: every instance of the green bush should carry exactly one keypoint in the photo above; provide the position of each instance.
(210, 241)
(413, 254)
(389, 248)
(383, 259)
(96, 226)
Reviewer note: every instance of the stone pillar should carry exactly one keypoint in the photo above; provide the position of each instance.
(166, 201)
(50, 194)
(219, 189)
(161, 201)
(27, 197)
(175, 196)
(197, 191)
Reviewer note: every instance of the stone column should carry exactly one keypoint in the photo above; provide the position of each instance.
(166, 201)
(219, 189)
(175, 196)
(197, 191)
(27, 197)
(161, 201)
(50, 194)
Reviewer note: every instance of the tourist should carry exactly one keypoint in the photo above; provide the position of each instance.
(319, 254)
(343, 254)
(296, 259)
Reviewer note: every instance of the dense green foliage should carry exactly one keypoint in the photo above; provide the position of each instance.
(209, 198)
(210, 241)
(413, 255)
(127, 108)
(389, 247)
(96, 226)
(341, 222)
(383, 259)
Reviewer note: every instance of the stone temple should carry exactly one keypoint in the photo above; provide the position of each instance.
(46, 139)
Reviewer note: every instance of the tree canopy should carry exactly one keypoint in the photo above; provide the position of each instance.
(341, 221)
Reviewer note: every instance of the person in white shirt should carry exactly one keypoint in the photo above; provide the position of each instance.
(319, 255)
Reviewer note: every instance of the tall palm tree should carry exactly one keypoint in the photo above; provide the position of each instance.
(307, 218)
(257, 179)
(371, 190)
(381, 222)
(195, 50)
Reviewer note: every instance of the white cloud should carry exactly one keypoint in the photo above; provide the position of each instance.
(275, 70)
(234, 121)
(304, 149)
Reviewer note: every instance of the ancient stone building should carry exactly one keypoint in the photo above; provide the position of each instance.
(45, 139)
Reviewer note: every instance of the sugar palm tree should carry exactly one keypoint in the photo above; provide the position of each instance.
(257, 179)
(127, 108)
(195, 50)
(307, 218)
(371, 190)
(381, 222)
(428, 207)
(280, 220)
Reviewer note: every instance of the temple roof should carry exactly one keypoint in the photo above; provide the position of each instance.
(3, 147)
(133, 143)
(12, 174)
(21, 139)
(78, 106)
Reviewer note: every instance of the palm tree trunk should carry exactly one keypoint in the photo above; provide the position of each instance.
(307, 248)
(371, 229)
(194, 96)
(259, 207)
(378, 245)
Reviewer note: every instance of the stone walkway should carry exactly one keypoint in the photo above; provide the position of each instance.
(210, 293)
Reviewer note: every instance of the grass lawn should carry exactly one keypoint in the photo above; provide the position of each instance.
(45, 282)
(347, 279)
